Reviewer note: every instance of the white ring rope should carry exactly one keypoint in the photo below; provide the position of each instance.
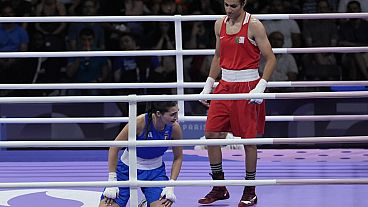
(176, 17)
(278, 118)
(187, 97)
(290, 50)
(172, 52)
(140, 183)
(72, 120)
(271, 84)
(363, 15)
(185, 142)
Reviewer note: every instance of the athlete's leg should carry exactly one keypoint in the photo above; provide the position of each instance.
(250, 158)
(214, 151)
(249, 197)
(215, 157)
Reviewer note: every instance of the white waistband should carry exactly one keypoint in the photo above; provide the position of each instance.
(239, 75)
(142, 164)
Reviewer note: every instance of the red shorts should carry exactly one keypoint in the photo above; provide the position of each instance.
(237, 116)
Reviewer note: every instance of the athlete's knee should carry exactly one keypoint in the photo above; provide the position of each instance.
(215, 135)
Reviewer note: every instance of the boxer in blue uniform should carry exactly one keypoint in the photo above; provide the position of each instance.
(159, 123)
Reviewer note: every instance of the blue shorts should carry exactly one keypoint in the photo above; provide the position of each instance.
(151, 193)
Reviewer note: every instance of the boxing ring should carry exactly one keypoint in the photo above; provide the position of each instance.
(316, 177)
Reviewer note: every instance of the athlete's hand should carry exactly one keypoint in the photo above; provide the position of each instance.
(168, 193)
(260, 88)
(207, 90)
(111, 193)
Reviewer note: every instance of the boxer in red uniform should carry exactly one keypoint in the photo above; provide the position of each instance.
(240, 40)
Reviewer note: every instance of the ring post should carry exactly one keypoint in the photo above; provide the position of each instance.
(132, 134)
(179, 63)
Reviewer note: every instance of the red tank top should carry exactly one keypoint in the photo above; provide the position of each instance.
(237, 52)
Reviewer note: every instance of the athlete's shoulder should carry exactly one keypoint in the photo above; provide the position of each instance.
(141, 122)
(254, 19)
(218, 24)
(177, 131)
(176, 125)
(141, 117)
(256, 25)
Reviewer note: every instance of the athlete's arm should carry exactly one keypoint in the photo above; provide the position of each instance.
(122, 136)
(258, 33)
(111, 193)
(215, 64)
(177, 151)
(167, 194)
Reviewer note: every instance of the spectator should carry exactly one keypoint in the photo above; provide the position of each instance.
(77, 6)
(133, 69)
(208, 7)
(168, 7)
(22, 8)
(344, 3)
(88, 69)
(309, 6)
(353, 33)
(288, 27)
(163, 39)
(255, 6)
(89, 8)
(53, 32)
(48, 69)
(13, 38)
(196, 67)
(321, 33)
(286, 68)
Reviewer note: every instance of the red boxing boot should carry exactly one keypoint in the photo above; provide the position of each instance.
(217, 192)
(249, 197)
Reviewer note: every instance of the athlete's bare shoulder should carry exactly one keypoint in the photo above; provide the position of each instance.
(218, 24)
(141, 122)
(255, 27)
(177, 131)
(254, 21)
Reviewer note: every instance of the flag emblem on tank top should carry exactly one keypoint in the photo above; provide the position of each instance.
(239, 40)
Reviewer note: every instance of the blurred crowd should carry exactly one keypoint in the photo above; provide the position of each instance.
(120, 36)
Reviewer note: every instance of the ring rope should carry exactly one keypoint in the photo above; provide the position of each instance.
(139, 183)
(185, 142)
(152, 18)
(56, 120)
(290, 50)
(271, 84)
(172, 52)
(186, 97)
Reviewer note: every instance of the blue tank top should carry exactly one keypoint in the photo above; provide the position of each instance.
(153, 134)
